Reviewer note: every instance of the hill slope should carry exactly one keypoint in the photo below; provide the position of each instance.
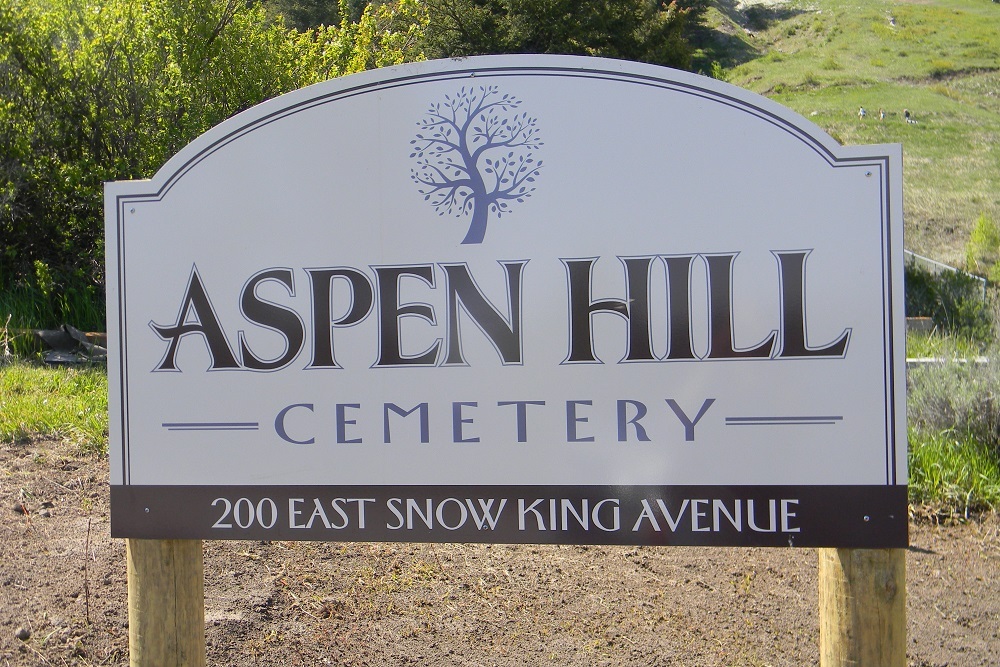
(939, 59)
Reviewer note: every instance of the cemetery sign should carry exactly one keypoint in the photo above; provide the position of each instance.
(511, 299)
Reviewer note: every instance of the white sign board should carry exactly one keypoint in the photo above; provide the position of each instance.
(511, 299)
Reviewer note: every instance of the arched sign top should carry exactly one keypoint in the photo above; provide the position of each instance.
(564, 286)
(609, 75)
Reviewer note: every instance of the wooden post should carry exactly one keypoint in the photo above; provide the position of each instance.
(862, 607)
(166, 603)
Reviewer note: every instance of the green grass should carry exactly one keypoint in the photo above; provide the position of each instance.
(939, 59)
(953, 474)
(937, 345)
(66, 403)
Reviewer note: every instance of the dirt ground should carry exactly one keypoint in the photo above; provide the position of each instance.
(63, 593)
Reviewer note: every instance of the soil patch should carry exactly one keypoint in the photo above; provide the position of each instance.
(63, 593)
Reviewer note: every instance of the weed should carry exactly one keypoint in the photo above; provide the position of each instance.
(954, 436)
(41, 301)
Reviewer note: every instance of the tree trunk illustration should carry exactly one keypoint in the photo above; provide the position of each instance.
(477, 228)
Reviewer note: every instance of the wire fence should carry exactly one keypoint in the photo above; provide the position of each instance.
(937, 267)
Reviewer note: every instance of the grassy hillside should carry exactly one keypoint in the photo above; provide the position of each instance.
(940, 59)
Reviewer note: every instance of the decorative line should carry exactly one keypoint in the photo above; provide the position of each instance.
(784, 421)
(211, 426)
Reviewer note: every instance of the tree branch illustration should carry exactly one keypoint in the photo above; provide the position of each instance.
(475, 155)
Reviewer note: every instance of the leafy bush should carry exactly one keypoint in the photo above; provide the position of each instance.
(953, 299)
(962, 396)
(100, 90)
(758, 17)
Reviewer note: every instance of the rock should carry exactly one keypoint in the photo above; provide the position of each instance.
(23, 633)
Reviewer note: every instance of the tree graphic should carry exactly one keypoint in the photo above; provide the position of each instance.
(475, 156)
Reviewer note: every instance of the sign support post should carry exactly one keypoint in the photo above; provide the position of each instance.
(166, 603)
(862, 607)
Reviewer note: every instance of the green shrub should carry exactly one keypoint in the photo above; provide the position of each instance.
(757, 17)
(953, 299)
(962, 396)
(982, 252)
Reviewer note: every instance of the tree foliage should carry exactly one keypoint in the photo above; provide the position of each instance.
(304, 15)
(643, 30)
(385, 34)
(99, 90)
